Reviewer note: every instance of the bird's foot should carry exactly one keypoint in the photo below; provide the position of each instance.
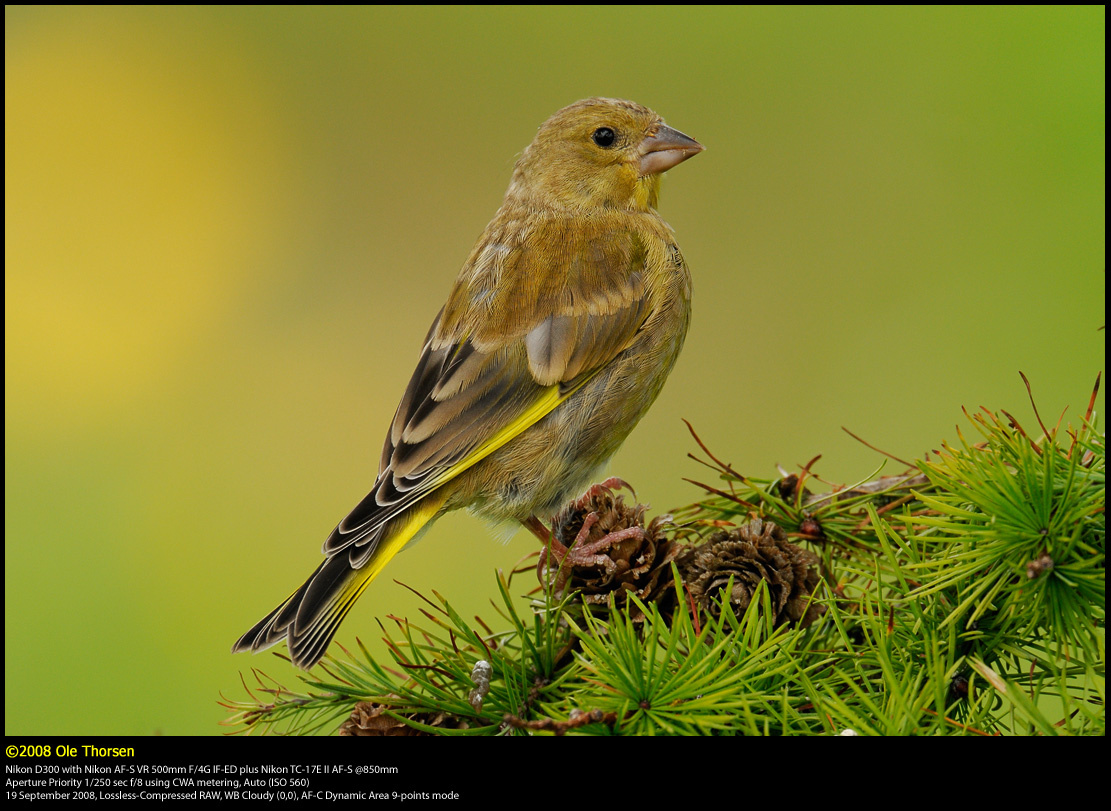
(602, 488)
(581, 553)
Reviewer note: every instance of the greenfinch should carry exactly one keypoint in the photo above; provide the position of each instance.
(561, 328)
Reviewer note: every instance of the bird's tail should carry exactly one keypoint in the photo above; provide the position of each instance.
(309, 618)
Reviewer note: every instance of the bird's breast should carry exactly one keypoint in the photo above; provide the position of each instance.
(554, 460)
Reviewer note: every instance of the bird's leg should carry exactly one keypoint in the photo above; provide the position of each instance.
(550, 547)
(537, 528)
(579, 553)
(583, 552)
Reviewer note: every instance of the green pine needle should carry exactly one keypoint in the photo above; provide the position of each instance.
(966, 596)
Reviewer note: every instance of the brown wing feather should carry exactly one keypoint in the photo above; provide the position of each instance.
(486, 362)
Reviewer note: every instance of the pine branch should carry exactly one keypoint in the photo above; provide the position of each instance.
(963, 596)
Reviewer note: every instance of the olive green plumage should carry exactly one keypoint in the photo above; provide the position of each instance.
(558, 335)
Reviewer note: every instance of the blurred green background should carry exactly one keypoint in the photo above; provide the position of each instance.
(228, 230)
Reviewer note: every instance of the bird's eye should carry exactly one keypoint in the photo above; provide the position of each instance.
(604, 137)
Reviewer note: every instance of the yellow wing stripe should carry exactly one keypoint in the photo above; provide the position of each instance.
(404, 526)
(543, 406)
(398, 535)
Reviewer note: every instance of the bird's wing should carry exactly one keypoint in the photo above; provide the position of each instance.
(513, 342)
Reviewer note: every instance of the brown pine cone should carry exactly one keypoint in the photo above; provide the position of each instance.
(369, 719)
(601, 546)
(757, 551)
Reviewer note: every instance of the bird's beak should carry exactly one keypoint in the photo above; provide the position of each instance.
(665, 149)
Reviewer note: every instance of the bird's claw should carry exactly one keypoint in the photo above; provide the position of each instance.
(582, 552)
(602, 488)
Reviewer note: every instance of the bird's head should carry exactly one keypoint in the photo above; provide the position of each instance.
(600, 153)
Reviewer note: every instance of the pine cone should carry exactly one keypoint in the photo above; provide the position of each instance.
(601, 546)
(757, 551)
(368, 719)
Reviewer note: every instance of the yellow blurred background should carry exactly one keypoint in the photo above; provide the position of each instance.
(228, 230)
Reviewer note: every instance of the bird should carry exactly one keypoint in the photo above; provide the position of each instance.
(557, 336)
